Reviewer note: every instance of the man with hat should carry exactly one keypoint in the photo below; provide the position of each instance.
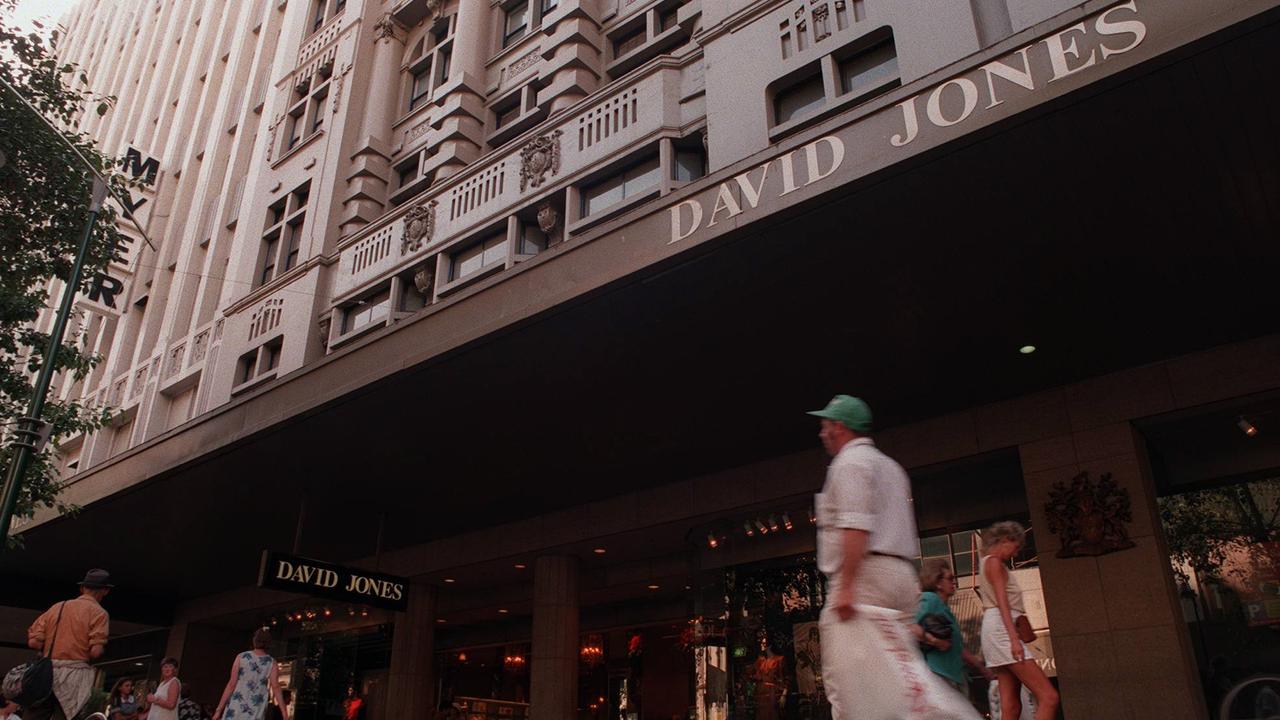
(72, 633)
(867, 545)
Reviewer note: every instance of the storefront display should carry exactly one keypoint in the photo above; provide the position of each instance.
(334, 662)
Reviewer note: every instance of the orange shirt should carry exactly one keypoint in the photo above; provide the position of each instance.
(83, 625)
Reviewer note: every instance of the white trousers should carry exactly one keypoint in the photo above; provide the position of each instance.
(871, 666)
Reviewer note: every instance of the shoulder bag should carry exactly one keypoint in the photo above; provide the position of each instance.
(32, 683)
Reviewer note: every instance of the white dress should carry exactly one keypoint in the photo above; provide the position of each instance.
(161, 713)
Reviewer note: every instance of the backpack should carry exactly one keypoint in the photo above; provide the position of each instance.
(29, 684)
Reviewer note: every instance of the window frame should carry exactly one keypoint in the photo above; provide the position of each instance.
(281, 245)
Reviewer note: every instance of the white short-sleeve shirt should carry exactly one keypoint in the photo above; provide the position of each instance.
(865, 490)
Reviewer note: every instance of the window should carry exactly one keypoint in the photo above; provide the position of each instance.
(633, 181)
(855, 73)
(259, 361)
(247, 367)
(532, 240)
(306, 115)
(367, 311)
(467, 262)
(871, 71)
(506, 115)
(420, 86)
(282, 237)
(690, 165)
(799, 100)
(270, 247)
(324, 10)
(429, 66)
(668, 19)
(548, 6)
(628, 42)
(516, 24)
(407, 172)
(317, 14)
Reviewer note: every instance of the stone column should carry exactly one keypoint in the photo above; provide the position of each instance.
(1119, 638)
(554, 681)
(411, 682)
(369, 176)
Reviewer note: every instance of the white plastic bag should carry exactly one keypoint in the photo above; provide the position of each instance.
(873, 670)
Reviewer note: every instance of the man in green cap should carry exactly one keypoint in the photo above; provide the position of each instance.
(867, 545)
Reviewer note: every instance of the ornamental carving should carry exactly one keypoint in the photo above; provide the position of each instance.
(1090, 519)
(384, 28)
(271, 135)
(323, 323)
(548, 221)
(524, 62)
(538, 157)
(419, 225)
(424, 281)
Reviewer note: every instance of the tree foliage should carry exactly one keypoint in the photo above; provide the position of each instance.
(44, 196)
(1207, 529)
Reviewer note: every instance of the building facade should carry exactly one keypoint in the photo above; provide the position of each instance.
(521, 302)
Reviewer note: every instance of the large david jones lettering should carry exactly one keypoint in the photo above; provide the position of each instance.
(817, 167)
(1065, 59)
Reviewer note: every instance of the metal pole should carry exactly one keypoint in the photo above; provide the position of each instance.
(29, 426)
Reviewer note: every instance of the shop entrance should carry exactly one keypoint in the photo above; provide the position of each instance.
(1218, 478)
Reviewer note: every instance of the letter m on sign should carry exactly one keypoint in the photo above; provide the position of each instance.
(140, 169)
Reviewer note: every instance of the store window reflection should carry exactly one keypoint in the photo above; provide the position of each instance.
(478, 683)
(334, 667)
(1217, 475)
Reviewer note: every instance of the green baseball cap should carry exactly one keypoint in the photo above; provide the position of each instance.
(853, 412)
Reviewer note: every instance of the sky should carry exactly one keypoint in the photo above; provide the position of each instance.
(51, 10)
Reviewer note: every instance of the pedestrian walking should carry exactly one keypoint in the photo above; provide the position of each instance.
(947, 657)
(867, 545)
(8, 710)
(255, 680)
(72, 633)
(1003, 644)
(163, 702)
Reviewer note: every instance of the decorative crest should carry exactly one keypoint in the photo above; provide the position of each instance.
(419, 226)
(537, 157)
(1089, 518)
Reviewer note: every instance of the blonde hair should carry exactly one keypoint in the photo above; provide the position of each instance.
(1004, 530)
(931, 572)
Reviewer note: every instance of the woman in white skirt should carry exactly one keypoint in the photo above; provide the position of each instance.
(1002, 606)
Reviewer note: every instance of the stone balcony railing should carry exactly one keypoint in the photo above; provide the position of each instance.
(503, 182)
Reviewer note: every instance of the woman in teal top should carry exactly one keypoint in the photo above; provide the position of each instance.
(946, 657)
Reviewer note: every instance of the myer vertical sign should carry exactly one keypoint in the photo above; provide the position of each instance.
(321, 579)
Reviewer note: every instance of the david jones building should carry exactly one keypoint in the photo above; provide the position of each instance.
(473, 352)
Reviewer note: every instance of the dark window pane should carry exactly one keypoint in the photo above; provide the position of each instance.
(799, 100)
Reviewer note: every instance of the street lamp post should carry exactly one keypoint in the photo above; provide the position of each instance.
(29, 432)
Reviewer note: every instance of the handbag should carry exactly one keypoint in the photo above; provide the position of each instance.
(1023, 626)
(31, 683)
(936, 625)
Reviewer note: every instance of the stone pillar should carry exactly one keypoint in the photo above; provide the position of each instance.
(411, 682)
(554, 681)
(1119, 638)
(369, 177)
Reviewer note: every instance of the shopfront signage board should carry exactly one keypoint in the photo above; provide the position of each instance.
(321, 579)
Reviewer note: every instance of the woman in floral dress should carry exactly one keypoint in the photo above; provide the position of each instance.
(252, 674)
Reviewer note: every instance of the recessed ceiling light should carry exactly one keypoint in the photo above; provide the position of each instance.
(1027, 349)
(653, 587)
(520, 566)
(502, 611)
(599, 551)
(441, 620)
(448, 580)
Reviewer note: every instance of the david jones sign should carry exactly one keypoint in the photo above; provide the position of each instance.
(322, 579)
(1075, 49)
